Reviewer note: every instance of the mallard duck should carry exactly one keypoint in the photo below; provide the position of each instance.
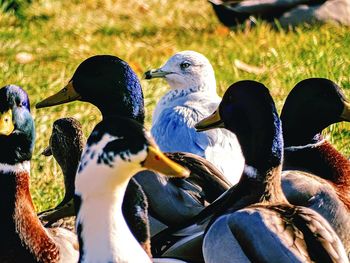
(66, 145)
(117, 149)
(317, 175)
(261, 225)
(110, 84)
(23, 238)
(193, 96)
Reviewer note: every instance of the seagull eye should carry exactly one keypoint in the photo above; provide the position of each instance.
(23, 104)
(185, 65)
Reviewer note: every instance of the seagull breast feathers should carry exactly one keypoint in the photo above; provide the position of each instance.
(173, 129)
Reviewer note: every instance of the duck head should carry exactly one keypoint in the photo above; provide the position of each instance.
(17, 132)
(118, 148)
(66, 145)
(312, 105)
(107, 82)
(248, 110)
(66, 139)
(186, 70)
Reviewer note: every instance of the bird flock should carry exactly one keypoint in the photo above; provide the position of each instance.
(215, 180)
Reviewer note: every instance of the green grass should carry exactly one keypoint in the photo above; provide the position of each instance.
(60, 34)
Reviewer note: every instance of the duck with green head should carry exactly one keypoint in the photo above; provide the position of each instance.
(23, 238)
(315, 174)
(117, 149)
(66, 145)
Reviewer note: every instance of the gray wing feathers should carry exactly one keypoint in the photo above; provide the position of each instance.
(324, 234)
(220, 245)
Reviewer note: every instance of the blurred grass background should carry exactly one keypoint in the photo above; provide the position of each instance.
(41, 46)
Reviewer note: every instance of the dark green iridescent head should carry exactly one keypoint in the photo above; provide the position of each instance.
(17, 136)
(107, 82)
(311, 106)
(248, 110)
(111, 85)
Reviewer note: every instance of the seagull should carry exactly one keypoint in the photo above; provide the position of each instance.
(193, 96)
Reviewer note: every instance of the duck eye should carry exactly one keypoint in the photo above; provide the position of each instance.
(185, 65)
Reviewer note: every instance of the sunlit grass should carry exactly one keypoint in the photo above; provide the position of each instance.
(58, 35)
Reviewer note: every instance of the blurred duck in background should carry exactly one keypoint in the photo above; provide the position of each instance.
(286, 12)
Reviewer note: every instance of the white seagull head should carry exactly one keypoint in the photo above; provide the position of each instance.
(186, 70)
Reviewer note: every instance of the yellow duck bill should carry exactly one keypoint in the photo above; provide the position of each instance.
(67, 94)
(6, 123)
(211, 122)
(345, 116)
(157, 161)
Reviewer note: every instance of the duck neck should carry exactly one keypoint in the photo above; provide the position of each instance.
(19, 146)
(102, 231)
(297, 144)
(263, 152)
(321, 158)
(69, 178)
(338, 164)
(21, 230)
(132, 110)
(271, 187)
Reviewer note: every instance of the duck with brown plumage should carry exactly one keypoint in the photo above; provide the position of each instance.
(23, 238)
(66, 145)
(315, 174)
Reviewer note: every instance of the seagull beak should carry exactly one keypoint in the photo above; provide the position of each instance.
(66, 94)
(211, 122)
(155, 73)
(345, 116)
(6, 123)
(157, 161)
